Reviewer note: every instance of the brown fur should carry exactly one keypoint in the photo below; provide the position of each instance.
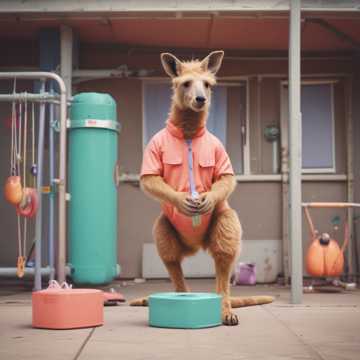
(187, 120)
(192, 79)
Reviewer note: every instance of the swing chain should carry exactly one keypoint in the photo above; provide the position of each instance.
(33, 169)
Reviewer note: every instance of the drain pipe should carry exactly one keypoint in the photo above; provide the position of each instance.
(350, 172)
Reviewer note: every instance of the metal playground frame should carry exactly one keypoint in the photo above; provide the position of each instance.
(52, 100)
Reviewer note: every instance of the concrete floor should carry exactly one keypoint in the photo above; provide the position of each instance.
(326, 326)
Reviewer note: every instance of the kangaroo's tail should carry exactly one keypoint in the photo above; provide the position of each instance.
(139, 302)
(240, 301)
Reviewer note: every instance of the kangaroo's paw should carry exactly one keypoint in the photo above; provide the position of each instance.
(139, 302)
(230, 319)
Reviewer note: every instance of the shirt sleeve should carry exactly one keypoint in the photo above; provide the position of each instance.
(152, 164)
(222, 162)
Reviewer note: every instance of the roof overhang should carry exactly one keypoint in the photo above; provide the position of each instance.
(234, 25)
(126, 6)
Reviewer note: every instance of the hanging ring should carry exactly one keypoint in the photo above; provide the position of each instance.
(29, 204)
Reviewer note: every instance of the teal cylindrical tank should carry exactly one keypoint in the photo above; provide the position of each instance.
(93, 137)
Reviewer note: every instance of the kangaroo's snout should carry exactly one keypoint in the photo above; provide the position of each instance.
(200, 100)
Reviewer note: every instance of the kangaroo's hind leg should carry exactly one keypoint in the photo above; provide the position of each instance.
(171, 251)
(224, 246)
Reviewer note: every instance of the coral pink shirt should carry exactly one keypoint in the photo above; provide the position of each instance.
(167, 155)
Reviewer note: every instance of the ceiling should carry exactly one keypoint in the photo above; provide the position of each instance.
(233, 33)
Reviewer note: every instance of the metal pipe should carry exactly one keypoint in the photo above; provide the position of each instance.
(28, 97)
(295, 135)
(34, 75)
(259, 123)
(275, 76)
(62, 166)
(135, 178)
(282, 76)
(310, 222)
(61, 258)
(66, 67)
(10, 271)
(350, 171)
(285, 58)
(315, 82)
(95, 74)
(246, 128)
(339, 205)
(102, 73)
(284, 159)
(66, 47)
(52, 193)
(275, 156)
(45, 271)
(39, 180)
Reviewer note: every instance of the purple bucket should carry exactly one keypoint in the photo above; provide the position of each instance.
(245, 274)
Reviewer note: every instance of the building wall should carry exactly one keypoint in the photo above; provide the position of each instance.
(259, 204)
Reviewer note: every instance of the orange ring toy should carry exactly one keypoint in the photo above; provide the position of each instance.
(31, 199)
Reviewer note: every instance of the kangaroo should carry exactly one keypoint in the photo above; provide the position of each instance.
(188, 171)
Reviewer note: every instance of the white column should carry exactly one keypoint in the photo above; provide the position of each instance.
(295, 218)
(66, 64)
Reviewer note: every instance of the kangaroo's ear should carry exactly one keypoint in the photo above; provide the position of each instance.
(171, 64)
(213, 61)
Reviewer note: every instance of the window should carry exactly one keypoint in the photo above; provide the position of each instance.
(318, 126)
(157, 99)
(318, 139)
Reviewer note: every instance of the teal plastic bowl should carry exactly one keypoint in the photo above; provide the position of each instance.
(185, 310)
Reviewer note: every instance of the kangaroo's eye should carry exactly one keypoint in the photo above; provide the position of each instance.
(186, 84)
(206, 84)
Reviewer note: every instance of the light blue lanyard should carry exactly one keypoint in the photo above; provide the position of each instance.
(193, 191)
(196, 220)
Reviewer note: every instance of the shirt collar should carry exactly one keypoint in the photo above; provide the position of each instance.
(175, 131)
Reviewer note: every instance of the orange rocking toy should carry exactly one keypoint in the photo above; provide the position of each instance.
(325, 258)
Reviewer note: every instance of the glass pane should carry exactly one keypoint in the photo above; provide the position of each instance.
(317, 127)
(236, 125)
(157, 98)
(216, 122)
